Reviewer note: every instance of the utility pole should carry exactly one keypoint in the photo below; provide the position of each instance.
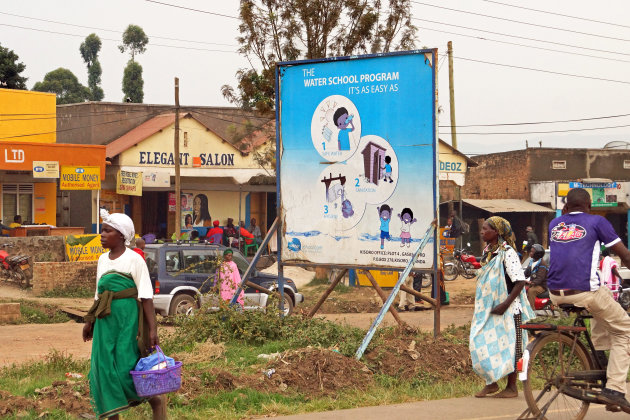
(178, 198)
(451, 93)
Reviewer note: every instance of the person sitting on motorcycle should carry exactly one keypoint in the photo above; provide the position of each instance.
(575, 239)
(536, 273)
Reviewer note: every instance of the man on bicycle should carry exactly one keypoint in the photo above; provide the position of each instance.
(575, 240)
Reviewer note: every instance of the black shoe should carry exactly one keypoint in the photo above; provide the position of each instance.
(614, 398)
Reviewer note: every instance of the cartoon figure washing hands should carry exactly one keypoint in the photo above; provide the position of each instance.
(407, 219)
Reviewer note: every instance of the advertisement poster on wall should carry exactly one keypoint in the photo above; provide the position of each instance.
(603, 194)
(358, 167)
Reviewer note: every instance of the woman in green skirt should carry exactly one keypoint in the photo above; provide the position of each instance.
(121, 322)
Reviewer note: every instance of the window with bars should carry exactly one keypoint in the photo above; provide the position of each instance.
(17, 199)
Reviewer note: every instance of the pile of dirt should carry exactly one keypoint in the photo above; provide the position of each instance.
(316, 372)
(197, 381)
(70, 396)
(14, 405)
(409, 356)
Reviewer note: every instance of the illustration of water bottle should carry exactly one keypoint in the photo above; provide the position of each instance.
(350, 117)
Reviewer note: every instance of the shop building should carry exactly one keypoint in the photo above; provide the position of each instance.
(218, 180)
(31, 162)
(544, 176)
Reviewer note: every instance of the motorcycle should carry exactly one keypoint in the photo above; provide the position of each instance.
(464, 264)
(15, 267)
(543, 303)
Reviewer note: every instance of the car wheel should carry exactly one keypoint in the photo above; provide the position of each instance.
(288, 304)
(182, 304)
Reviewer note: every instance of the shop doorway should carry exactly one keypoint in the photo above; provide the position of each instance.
(155, 212)
(271, 209)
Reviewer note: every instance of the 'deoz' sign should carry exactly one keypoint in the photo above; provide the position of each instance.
(80, 178)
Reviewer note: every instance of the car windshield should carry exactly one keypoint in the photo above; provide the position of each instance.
(241, 262)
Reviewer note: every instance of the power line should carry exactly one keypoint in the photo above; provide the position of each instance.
(539, 122)
(482, 38)
(193, 10)
(545, 71)
(114, 31)
(543, 132)
(557, 14)
(519, 21)
(521, 37)
(115, 40)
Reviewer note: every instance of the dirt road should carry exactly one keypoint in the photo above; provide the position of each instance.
(20, 343)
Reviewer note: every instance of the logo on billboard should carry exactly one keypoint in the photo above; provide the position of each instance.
(79, 170)
(17, 156)
(567, 233)
(38, 169)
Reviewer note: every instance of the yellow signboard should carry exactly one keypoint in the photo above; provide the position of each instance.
(129, 183)
(45, 169)
(383, 278)
(80, 178)
(84, 247)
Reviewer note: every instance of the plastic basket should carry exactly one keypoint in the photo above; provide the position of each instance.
(155, 382)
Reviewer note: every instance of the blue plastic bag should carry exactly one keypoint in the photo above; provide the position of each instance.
(154, 359)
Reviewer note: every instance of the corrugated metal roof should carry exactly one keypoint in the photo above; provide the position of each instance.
(508, 206)
(141, 132)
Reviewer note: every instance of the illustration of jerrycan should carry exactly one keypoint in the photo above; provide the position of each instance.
(346, 209)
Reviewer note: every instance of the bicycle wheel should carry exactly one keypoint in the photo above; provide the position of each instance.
(549, 362)
(450, 272)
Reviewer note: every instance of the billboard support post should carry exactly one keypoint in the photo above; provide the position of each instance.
(383, 296)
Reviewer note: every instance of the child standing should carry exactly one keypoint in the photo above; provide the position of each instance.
(385, 214)
(388, 169)
(406, 217)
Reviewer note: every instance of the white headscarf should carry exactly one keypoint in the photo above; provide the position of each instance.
(121, 222)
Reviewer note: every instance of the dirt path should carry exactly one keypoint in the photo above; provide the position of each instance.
(20, 343)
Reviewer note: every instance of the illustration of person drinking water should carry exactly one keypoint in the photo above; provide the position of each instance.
(344, 123)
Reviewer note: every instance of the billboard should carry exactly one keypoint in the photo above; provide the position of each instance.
(357, 140)
(80, 178)
(603, 194)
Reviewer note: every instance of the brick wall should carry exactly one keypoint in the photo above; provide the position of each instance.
(61, 275)
(38, 248)
(9, 312)
(499, 175)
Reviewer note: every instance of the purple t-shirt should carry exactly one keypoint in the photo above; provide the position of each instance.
(575, 240)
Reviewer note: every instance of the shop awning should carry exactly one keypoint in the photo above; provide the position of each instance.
(507, 206)
(18, 156)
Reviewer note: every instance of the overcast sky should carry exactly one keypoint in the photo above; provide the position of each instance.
(485, 94)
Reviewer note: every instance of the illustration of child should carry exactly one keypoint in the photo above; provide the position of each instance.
(344, 122)
(406, 217)
(385, 214)
(388, 169)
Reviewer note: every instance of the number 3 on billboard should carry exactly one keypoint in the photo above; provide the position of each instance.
(325, 209)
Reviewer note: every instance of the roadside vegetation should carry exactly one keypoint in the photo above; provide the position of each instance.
(239, 364)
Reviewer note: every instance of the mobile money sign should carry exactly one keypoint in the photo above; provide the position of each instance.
(80, 178)
(84, 247)
(357, 140)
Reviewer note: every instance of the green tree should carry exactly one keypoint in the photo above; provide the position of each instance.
(10, 70)
(89, 51)
(133, 84)
(65, 85)
(134, 40)
(283, 30)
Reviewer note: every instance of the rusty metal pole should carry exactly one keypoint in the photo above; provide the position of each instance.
(328, 291)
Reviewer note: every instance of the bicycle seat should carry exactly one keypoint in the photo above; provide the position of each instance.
(543, 295)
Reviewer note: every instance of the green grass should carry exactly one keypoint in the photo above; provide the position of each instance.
(70, 292)
(246, 335)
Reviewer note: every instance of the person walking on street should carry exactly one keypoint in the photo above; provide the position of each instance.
(121, 322)
(575, 238)
(500, 308)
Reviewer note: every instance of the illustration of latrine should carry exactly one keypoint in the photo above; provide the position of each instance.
(373, 158)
